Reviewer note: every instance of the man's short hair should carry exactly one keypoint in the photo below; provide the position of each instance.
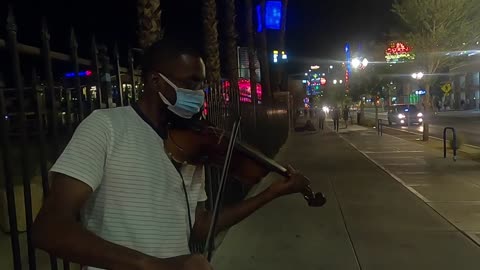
(164, 52)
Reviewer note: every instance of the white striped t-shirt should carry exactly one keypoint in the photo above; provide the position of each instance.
(138, 199)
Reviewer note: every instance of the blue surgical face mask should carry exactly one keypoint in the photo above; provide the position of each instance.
(189, 102)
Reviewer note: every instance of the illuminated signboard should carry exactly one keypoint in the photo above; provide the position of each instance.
(273, 16)
(399, 52)
(276, 54)
(259, 19)
(245, 91)
(323, 81)
(85, 73)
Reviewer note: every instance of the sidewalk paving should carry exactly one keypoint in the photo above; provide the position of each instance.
(370, 221)
(450, 188)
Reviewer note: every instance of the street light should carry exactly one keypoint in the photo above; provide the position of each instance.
(417, 75)
(356, 63)
(365, 62)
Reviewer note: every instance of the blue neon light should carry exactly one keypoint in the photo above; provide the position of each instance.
(85, 73)
(348, 56)
(259, 19)
(273, 15)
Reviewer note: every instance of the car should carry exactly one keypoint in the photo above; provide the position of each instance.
(403, 114)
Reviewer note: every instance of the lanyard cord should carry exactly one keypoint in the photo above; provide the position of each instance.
(191, 246)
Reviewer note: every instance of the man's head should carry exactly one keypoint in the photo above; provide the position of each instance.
(178, 62)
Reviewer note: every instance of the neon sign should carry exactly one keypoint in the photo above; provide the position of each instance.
(273, 15)
(399, 52)
(86, 73)
(323, 81)
(245, 91)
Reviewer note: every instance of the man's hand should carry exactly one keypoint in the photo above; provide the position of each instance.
(185, 262)
(295, 183)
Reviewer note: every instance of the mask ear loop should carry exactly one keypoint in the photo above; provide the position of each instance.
(164, 99)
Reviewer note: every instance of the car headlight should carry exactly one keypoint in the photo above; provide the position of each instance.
(401, 115)
(419, 114)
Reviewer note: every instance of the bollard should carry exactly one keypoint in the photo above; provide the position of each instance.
(454, 133)
(380, 127)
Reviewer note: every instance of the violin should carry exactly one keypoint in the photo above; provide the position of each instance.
(198, 142)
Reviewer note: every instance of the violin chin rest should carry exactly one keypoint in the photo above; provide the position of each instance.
(318, 201)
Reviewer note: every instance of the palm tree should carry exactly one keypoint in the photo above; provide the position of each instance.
(251, 57)
(263, 58)
(149, 22)
(281, 68)
(212, 60)
(231, 52)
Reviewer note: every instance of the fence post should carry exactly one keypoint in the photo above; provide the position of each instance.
(116, 58)
(7, 165)
(454, 139)
(68, 113)
(50, 93)
(96, 73)
(106, 79)
(131, 70)
(74, 55)
(15, 61)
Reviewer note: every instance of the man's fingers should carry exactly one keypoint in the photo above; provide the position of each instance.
(290, 169)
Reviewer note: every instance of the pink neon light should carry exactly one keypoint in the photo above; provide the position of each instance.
(88, 73)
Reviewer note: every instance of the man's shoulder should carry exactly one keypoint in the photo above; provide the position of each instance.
(112, 116)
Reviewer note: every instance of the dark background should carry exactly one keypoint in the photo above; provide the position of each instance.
(316, 29)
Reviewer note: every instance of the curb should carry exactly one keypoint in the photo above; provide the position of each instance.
(474, 239)
(432, 137)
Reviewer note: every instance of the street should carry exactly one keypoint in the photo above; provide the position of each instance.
(466, 123)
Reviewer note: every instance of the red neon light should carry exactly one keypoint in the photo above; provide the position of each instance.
(323, 81)
(88, 73)
(398, 48)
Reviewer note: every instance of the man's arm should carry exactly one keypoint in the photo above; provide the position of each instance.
(56, 231)
(232, 215)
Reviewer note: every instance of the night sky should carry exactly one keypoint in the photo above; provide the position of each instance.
(316, 29)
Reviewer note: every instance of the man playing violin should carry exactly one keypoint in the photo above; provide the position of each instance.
(138, 210)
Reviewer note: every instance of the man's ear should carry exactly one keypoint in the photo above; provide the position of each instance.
(155, 80)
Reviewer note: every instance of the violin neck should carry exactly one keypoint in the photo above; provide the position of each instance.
(261, 158)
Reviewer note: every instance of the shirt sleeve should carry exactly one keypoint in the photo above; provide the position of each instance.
(85, 154)
(202, 195)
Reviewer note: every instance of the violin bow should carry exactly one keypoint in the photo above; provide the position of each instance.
(207, 251)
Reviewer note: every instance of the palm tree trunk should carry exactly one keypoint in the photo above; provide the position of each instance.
(251, 59)
(263, 58)
(232, 55)
(149, 22)
(212, 62)
(212, 54)
(281, 66)
(428, 113)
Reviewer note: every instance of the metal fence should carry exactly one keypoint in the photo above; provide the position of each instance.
(41, 107)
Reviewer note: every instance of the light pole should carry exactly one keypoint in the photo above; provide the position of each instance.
(418, 76)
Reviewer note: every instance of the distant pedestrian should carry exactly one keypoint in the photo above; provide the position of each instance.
(321, 118)
(346, 114)
(336, 118)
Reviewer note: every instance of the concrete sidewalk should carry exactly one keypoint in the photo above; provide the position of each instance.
(450, 188)
(371, 221)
